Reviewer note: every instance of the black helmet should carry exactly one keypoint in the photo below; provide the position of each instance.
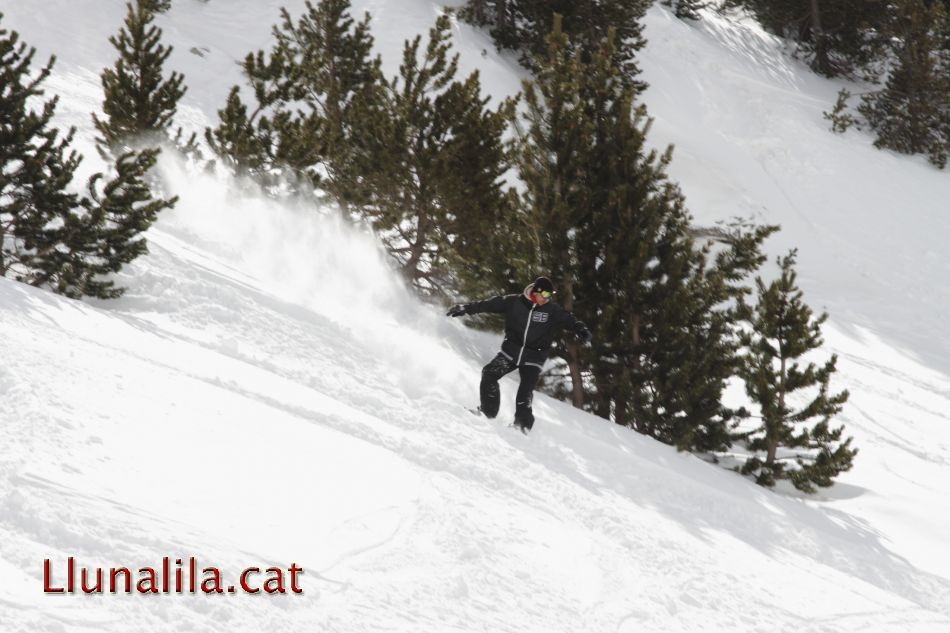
(541, 284)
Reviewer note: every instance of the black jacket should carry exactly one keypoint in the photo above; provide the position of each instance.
(529, 328)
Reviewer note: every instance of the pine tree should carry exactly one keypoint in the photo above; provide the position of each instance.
(667, 322)
(36, 164)
(420, 157)
(334, 74)
(555, 136)
(157, 6)
(841, 119)
(433, 160)
(483, 249)
(911, 113)
(241, 142)
(51, 237)
(140, 104)
(499, 16)
(105, 231)
(685, 9)
(615, 235)
(782, 331)
(836, 37)
(322, 62)
(524, 25)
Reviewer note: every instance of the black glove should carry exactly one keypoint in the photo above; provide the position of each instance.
(457, 310)
(585, 335)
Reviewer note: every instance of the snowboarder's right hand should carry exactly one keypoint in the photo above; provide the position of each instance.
(585, 335)
(457, 310)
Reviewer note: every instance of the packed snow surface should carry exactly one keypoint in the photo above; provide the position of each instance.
(268, 392)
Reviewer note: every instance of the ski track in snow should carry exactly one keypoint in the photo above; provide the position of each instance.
(267, 392)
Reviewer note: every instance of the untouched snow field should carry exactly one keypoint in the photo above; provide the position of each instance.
(268, 393)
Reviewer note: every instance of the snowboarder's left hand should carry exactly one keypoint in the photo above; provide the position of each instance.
(585, 335)
(457, 310)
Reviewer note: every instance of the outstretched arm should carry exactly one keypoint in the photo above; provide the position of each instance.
(495, 304)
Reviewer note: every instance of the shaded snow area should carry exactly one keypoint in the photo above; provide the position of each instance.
(269, 393)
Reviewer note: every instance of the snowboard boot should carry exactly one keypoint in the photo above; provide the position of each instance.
(524, 420)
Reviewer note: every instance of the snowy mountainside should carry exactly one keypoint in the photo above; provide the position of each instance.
(746, 120)
(268, 392)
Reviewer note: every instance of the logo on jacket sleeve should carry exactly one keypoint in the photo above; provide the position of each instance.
(540, 317)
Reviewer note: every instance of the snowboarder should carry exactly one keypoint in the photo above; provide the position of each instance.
(531, 321)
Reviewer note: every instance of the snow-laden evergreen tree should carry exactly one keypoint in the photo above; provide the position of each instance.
(523, 25)
(420, 156)
(686, 9)
(666, 322)
(841, 119)
(334, 73)
(911, 113)
(157, 6)
(496, 15)
(794, 439)
(49, 235)
(104, 231)
(555, 134)
(433, 161)
(242, 141)
(140, 102)
(615, 236)
(306, 91)
(836, 37)
(36, 164)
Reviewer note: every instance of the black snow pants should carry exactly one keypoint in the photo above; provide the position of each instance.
(491, 394)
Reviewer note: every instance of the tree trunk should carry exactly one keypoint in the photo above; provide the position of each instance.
(417, 248)
(577, 381)
(621, 413)
(772, 434)
(637, 372)
(573, 350)
(3, 262)
(478, 11)
(600, 401)
(501, 14)
(822, 62)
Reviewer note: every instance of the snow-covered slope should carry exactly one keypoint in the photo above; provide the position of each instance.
(268, 393)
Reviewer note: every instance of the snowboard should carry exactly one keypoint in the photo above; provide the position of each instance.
(478, 411)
